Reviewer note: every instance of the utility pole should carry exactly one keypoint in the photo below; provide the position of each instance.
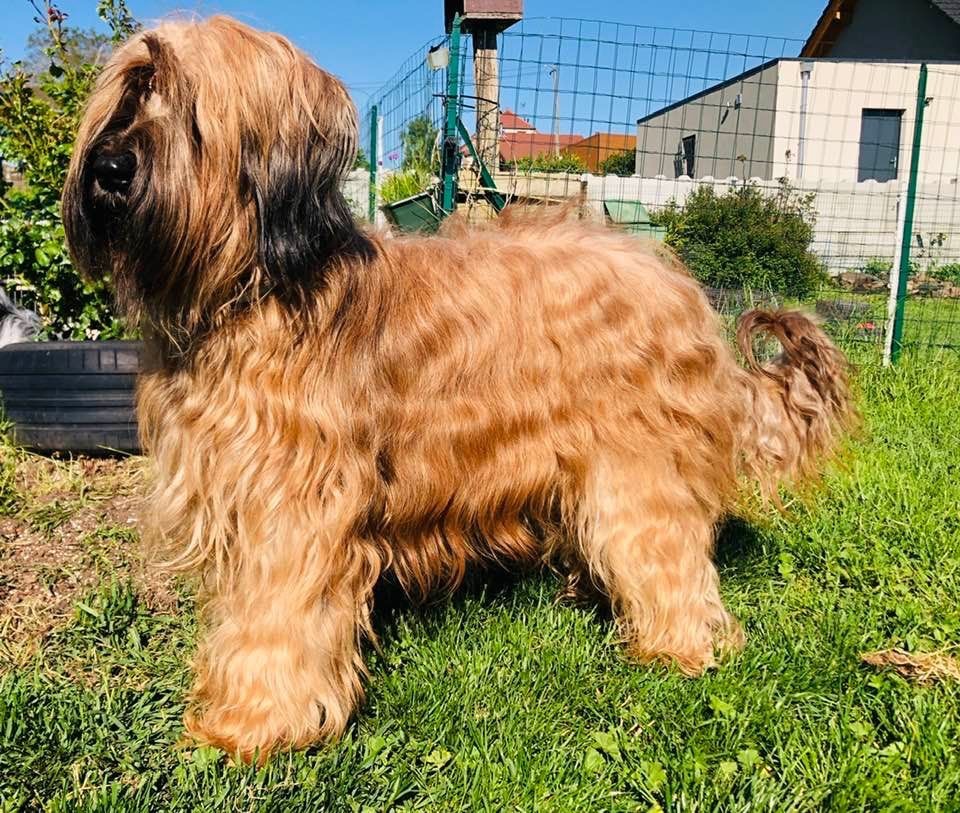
(555, 73)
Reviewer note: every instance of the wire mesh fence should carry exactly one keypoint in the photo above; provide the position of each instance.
(775, 177)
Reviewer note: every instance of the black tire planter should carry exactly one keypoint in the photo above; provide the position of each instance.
(73, 397)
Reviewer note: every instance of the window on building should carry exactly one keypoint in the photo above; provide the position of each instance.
(685, 162)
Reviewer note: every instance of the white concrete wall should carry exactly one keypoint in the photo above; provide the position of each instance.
(356, 189)
(855, 221)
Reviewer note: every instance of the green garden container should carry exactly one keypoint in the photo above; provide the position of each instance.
(417, 213)
(634, 218)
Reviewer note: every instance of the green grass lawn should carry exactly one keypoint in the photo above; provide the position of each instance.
(507, 700)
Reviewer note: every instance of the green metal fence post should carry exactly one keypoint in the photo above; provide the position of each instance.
(896, 343)
(450, 164)
(374, 121)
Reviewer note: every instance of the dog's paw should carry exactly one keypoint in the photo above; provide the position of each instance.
(242, 736)
(253, 731)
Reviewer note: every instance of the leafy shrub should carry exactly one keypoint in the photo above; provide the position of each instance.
(746, 239)
(623, 164)
(949, 272)
(548, 162)
(877, 267)
(39, 114)
(404, 184)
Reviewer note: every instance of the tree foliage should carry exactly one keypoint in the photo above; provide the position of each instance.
(41, 103)
(81, 46)
(419, 145)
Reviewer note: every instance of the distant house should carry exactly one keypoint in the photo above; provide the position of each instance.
(823, 117)
(886, 29)
(597, 148)
(520, 139)
(510, 122)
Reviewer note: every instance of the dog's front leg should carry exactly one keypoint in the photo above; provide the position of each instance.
(280, 664)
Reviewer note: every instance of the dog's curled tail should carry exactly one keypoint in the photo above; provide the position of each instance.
(799, 403)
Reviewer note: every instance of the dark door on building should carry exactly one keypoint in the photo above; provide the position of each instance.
(879, 145)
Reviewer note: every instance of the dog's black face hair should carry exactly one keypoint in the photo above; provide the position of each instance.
(303, 220)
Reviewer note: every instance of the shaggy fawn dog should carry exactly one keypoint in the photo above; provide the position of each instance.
(323, 405)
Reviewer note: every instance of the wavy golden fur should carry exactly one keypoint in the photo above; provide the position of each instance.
(324, 405)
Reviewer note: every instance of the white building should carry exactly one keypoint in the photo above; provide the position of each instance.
(810, 120)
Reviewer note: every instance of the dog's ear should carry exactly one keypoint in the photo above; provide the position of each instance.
(294, 180)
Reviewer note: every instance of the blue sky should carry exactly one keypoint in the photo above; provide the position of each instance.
(364, 41)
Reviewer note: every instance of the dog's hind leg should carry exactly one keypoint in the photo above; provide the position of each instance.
(648, 542)
(280, 665)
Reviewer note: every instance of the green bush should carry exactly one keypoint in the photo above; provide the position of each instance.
(949, 272)
(877, 267)
(361, 161)
(623, 164)
(548, 162)
(746, 239)
(39, 114)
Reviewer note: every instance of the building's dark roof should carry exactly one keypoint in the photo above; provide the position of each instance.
(949, 7)
(838, 14)
(834, 17)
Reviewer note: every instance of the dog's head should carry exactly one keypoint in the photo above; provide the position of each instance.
(207, 171)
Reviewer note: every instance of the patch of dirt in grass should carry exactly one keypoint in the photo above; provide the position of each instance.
(922, 668)
(76, 527)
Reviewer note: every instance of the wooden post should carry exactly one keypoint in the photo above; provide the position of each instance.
(486, 78)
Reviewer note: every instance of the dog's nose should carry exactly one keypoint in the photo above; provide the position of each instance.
(114, 171)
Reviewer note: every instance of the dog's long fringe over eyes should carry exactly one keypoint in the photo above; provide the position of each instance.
(323, 405)
(238, 189)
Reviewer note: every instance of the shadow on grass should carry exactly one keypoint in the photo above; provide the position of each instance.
(490, 585)
(739, 550)
(739, 546)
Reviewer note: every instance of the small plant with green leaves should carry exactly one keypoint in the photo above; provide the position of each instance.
(404, 184)
(550, 162)
(947, 272)
(877, 267)
(622, 164)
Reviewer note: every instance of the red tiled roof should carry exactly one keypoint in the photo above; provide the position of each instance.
(530, 145)
(511, 121)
